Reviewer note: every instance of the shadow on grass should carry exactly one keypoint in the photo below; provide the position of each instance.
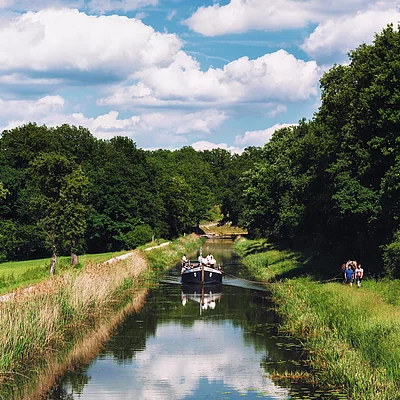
(312, 265)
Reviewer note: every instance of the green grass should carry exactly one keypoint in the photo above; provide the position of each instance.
(352, 334)
(19, 274)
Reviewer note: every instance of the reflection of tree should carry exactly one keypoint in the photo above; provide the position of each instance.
(247, 309)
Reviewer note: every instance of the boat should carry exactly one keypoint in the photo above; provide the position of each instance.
(206, 296)
(203, 271)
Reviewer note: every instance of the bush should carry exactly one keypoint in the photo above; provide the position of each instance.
(140, 235)
(391, 258)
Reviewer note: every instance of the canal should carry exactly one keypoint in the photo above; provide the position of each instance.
(221, 342)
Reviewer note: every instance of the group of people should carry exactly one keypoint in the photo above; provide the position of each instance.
(208, 261)
(352, 271)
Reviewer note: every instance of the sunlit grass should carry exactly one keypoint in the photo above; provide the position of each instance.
(19, 274)
(352, 334)
(41, 325)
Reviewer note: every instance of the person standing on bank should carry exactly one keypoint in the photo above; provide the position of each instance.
(359, 273)
(349, 275)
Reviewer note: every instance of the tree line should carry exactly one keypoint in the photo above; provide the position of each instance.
(331, 183)
(62, 191)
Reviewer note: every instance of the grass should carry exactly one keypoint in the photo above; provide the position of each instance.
(352, 335)
(19, 274)
(40, 327)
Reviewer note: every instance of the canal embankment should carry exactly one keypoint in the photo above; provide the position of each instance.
(351, 335)
(68, 317)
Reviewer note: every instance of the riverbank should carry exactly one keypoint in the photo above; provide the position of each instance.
(352, 334)
(39, 328)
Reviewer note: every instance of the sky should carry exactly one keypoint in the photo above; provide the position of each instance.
(173, 73)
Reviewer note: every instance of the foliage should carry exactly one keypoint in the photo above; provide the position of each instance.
(352, 335)
(334, 182)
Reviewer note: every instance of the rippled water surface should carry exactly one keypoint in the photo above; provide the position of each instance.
(187, 343)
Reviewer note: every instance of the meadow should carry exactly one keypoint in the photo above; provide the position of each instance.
(352, 335)
(17, 274)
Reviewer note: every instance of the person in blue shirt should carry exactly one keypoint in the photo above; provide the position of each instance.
(349, 275)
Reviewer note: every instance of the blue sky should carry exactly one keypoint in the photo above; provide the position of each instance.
(173, 73)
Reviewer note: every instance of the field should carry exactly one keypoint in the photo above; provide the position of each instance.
(19, 274)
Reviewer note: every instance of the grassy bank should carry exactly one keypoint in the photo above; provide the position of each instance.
(352, 335)
(39, 327)
(18, 274)
(164, 258)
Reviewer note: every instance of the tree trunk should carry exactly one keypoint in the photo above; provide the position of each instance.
(53, 263)
(74, 259)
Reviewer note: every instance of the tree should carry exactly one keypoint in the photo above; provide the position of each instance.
(61, 202)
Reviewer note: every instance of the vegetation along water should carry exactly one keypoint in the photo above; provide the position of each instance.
(352, 334)
(42, 324)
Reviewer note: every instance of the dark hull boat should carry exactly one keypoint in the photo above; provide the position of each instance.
(196, 273)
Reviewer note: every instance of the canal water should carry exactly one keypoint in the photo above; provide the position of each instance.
(221, 342)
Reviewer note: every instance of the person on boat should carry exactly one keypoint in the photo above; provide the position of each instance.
(185, 261)
(359, 273)
(212, 261)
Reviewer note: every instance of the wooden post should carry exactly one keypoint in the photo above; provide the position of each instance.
(202, 273)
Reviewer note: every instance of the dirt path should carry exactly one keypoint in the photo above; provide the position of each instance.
(11, 296)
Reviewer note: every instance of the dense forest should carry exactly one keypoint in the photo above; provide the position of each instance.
(331, 183)
(64, 191)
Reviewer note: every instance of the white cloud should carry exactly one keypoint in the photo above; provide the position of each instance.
(30, 108)
(171, 15)
(103, 6)
(342, 34)
(277, 76)
(165, 128)
(19, 79)
(243, 15)
(205, 145)
(277, 110)
(259, 138)
(68, 40)
(100, 6)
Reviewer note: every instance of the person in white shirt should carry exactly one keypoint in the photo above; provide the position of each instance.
(359, 273)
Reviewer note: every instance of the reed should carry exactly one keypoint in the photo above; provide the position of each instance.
(40, 326)
(45, 322)
(352, 335)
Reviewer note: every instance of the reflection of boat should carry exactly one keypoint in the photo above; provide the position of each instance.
(201, 271)
(206, 296)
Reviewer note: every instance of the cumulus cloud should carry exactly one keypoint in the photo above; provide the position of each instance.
(243, 15)
(30, 108)
(258, 138)
(339, 35)
(277, 76)
(165, 128)
(68, 40)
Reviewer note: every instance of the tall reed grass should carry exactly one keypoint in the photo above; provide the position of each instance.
(352, 334)
(45, 322)
(40, 327)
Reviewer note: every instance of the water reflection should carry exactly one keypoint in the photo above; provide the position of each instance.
(207, 296)
(188, 343)
(171, 351)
